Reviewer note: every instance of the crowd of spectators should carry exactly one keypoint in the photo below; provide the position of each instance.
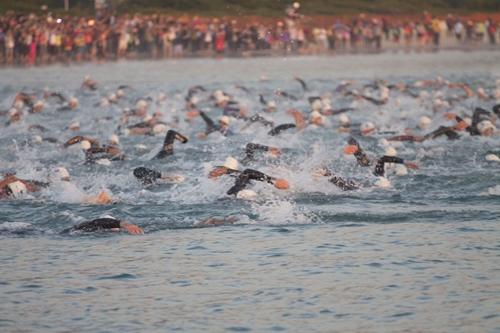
(29, 39)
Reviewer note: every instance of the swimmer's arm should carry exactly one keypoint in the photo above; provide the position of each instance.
(109, 224)
(209, 122)
(257, 175)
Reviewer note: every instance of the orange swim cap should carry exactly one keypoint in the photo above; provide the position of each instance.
(281, 184)
(350, 149)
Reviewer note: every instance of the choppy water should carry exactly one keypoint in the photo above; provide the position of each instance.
(422, 256)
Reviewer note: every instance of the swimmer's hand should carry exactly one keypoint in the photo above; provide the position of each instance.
(173, 178)
(131, 228)
(411, 165)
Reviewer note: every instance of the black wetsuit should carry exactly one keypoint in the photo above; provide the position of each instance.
(212, 127)
(95, 225)
(280, 128)
(443, 130)
(360, 155)
(380, 166)
(244, 179)
(168, 144)
(344, 185)
(250, 150)
(259, 119)
(146, 176)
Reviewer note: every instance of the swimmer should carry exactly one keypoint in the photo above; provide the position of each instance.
(363, 160)
(216, 221)
(257, 118)
(11, 186)
(148, 176)
(230, 167)
(448, 131)
(247, 175)
(106, 224)
(72, 104)
(300, 123)
(343, 184)
(168, 144)
(252, 148)
(222, 127)
(89, 83)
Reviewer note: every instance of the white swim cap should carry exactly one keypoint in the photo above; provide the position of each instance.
(85, 145)
(114, 139)
(225, 120)
(316, 114)
(271, 104)
(62, 173)
(120, 93)
(383, 182)
(159, 128)
(316, 105)
(231, 163)
(37, 139)
(112, 97)
(344, 119)
(384, 93)
(74, 125)
(485, 125)
(141, 104)
(390, 151)
(19, 104)
(194, 100)
(246, 195)
(103, 161)
(17, 188)
(424, 122)
(367, 128)
(73, 102)
(39, 105)
(492, 158)
(141, 146)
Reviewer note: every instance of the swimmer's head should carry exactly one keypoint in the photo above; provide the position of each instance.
(390, 151)
(344, 119)
(424, 122)
(486, 128)
(85, 145)
(281, 184)
(104, 102)
(296, 5)
(62, 173)
(38, 106)
(37, 139)
(383, 182)
(17, 188)
(74, 126)
(112, 98)
(231, 163)
(271, 106)
(159, 129)
(18, 104)
(492, 158)
(367, 128)
(120, 93)
(246, 195)
(141, 105)
(317, 118)
(73, 102)
(114, 140)
(224, 121)
(316, 105)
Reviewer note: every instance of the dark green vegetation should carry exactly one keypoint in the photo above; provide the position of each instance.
(264, 7)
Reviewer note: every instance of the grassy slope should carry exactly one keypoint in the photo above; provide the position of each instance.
(267, 7)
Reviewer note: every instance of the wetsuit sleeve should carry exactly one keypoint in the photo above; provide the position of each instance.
(496, 110)
(98, 224)
(257, 175)
(278, 129)
(442, 130)
(476, 119)
(145, 175)
(251, 148)
(211, 127)
(241, 182)
(379, 167)
(344, 185)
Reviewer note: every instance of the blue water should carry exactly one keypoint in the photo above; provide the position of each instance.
(422, 256)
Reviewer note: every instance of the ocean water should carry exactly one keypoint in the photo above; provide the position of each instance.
(421, 256)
